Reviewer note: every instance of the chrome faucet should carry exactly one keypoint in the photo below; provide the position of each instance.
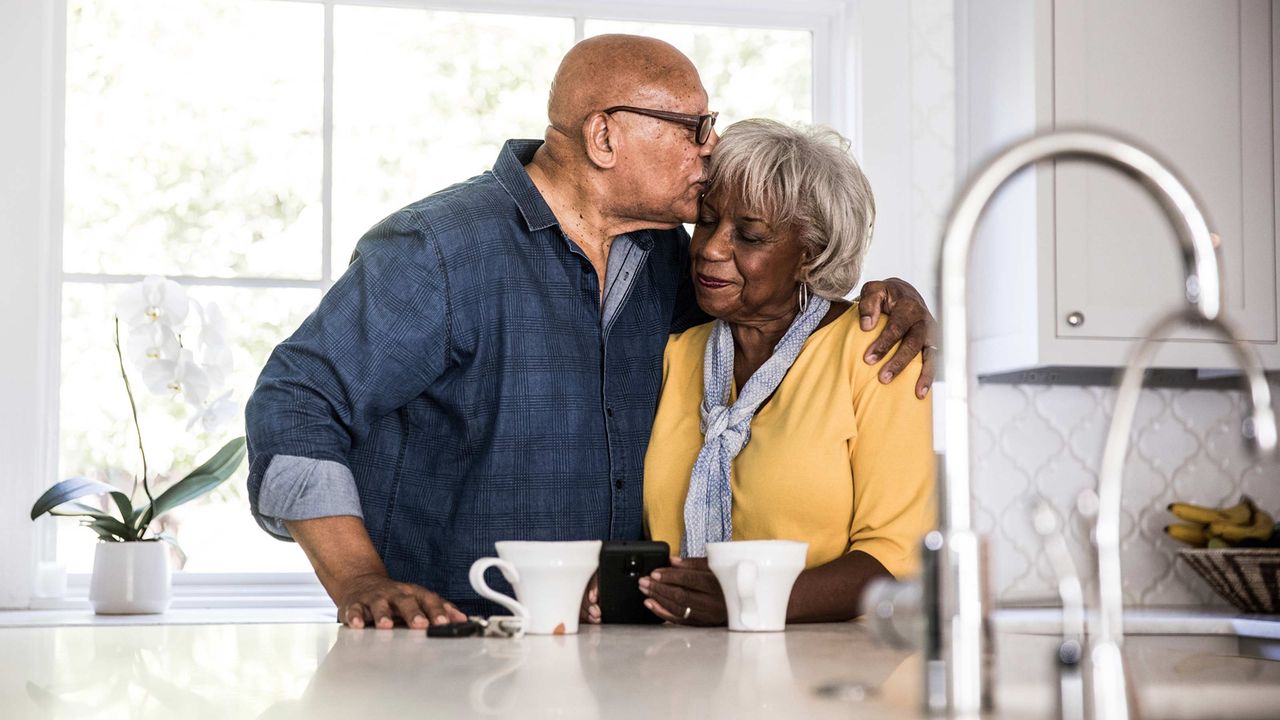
(1071, 696)
(955, 681)
(1111, 699)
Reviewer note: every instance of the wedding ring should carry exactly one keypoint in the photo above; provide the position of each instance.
(687, 612)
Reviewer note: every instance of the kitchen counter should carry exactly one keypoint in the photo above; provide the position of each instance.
(321, 670)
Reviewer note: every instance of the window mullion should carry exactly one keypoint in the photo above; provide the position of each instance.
(326, 174)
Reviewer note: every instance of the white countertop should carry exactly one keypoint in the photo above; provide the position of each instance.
(321, 670)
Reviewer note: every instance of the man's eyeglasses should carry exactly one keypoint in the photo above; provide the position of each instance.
(701, 124)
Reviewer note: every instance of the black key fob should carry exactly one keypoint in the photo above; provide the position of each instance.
(466, 628)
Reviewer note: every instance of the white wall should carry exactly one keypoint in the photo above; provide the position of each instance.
(907, 73)
(29, 235)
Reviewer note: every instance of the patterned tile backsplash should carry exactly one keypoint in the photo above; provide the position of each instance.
(1046, 441)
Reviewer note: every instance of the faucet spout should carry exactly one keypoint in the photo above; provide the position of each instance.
(960, 598)
(1110, 692)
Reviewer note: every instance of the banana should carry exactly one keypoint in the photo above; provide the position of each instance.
(1195, 513)
(1260, 529)
(1241, 513)
(1193, 535)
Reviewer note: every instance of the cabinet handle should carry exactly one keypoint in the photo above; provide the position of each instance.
(1075, 319)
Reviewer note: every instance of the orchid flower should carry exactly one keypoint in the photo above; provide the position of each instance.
(215, 355)
(181, 376)
(215, 413)
(151, 342)
(155, 300)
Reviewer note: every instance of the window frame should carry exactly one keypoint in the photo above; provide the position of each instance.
(835, 101)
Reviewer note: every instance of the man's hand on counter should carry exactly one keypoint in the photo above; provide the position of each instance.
(379, 601)
(348, 566)
(687, 593)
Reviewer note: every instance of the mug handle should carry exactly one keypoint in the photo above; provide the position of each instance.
(747, 574)
(477, 581)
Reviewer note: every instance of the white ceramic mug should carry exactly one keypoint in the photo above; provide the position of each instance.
(756, 577)
(549, 579)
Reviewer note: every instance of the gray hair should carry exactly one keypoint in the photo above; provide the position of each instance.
(802, 176)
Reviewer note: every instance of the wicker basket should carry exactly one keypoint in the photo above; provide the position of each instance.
(1248, 578)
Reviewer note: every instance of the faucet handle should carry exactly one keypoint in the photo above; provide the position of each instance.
(895, 611)
(1071, 699)
(1070, 590)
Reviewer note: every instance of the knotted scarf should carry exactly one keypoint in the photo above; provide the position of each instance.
(726, 429)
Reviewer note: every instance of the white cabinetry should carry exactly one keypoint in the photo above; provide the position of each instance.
(1192, 80)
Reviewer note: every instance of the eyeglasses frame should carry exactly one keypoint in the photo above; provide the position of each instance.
(702, 124)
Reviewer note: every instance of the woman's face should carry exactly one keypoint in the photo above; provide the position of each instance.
(744, 270)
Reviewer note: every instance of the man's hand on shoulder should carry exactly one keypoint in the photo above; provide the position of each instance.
(378, 601)
(909, 322)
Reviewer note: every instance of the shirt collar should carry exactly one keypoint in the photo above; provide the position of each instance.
(510, 172)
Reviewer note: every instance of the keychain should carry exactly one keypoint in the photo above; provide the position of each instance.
(503, 626)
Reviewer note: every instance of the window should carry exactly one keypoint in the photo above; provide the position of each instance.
(241, 147)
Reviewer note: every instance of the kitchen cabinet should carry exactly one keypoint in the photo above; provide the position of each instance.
(1074, 261)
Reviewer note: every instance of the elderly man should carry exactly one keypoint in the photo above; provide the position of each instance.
(488, 366)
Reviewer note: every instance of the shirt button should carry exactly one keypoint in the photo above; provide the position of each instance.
(608, 411)
(619, 484)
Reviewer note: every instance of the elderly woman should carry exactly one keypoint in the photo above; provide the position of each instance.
(787, 422)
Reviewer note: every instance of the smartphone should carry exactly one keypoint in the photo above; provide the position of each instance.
(622, 564)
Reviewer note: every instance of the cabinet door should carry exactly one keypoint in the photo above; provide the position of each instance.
(1191, 80)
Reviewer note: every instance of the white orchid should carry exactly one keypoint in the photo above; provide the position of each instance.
(215, 413)
(151, 342)
(174, 362)
(181, 376)
(154, 301)
(215, 353)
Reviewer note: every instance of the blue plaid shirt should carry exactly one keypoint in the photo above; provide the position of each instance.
(462, 372)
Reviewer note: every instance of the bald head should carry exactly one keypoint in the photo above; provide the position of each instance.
(609, 70)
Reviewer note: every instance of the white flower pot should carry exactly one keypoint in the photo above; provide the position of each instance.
(131, 578)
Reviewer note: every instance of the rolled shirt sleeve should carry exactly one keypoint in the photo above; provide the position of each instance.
(298, 488)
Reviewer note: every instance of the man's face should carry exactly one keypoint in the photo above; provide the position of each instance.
(665, 169)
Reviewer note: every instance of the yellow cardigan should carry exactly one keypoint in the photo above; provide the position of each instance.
(836, 458)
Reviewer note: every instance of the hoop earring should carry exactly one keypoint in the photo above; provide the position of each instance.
(804, 297)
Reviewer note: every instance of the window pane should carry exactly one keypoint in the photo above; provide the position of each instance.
(747, 72)
(97, 435)
(193, 141)
(424, 99)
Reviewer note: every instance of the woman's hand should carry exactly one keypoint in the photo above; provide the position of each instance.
(687, 593)
(909, 322)
(590, 610)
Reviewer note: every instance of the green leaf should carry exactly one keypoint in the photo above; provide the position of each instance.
(122, 502)
(103, 534)
(78, 509)
(224, 462)
(208, 476)
(74, 488)
(114, 527)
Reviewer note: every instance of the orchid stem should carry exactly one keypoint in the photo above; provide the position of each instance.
(146, 487)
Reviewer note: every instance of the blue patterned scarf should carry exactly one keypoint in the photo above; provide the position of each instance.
(708, 508)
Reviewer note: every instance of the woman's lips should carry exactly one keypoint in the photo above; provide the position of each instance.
(710, 282)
